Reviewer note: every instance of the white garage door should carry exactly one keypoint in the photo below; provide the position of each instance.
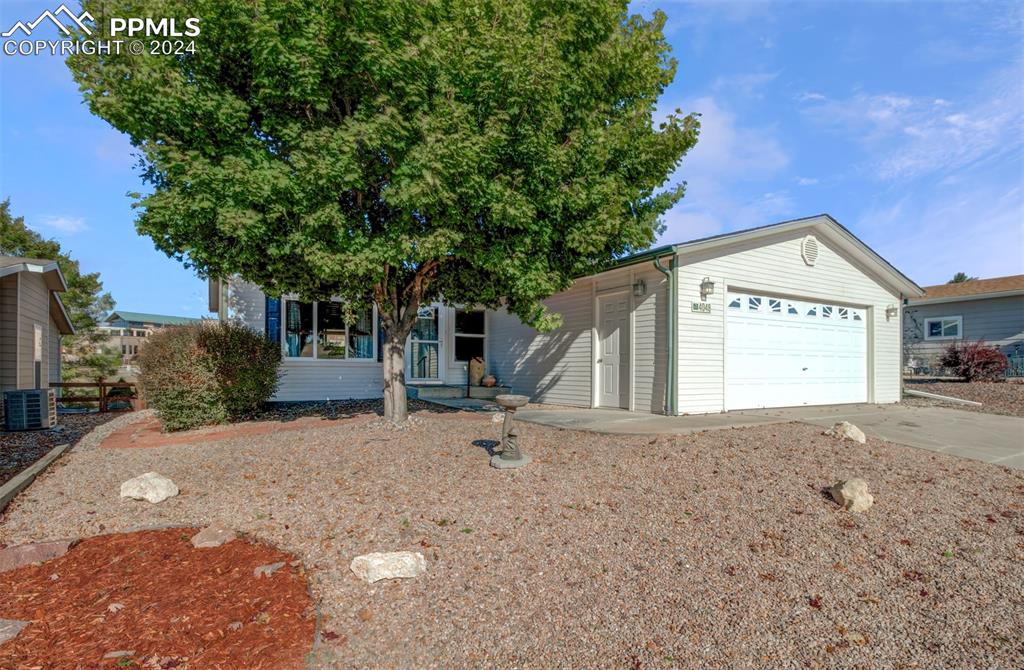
(785, 353)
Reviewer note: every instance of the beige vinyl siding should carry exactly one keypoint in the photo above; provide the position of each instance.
(553, 367)
(8, 332)
(333, 380)
(34, 309)
(650, 340)
(53, 352)
(990, 319)
(774, 266)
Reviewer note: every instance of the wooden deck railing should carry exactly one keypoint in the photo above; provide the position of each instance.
(103, 396)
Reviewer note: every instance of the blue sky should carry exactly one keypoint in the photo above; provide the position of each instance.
(903, 121)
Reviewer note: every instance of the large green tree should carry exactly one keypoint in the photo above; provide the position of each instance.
(475, 151)
(85, 300)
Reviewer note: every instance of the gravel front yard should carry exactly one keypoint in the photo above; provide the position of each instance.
(997, 397)
(712, 550)
(23, 448)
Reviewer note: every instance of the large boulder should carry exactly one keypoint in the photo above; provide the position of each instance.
(844, 430)
(852, 495)
(151, 486)
(390, 565)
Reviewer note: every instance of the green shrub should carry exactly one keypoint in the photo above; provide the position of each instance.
(207, 373)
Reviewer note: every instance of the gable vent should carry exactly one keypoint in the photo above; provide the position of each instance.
(809, 250)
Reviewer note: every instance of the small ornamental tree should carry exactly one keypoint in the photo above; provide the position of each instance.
(398, 152)
(975, 361)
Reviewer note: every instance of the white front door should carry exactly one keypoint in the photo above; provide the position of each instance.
(785, 353)
(613, 350)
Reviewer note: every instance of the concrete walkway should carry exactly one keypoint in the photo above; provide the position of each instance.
(984, 437)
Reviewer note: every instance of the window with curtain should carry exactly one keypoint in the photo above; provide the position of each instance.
(469, 334)
(326, 331)
(298, 338)
(360, 336)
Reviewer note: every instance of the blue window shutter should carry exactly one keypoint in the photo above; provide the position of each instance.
(272, 327)
(380, 339)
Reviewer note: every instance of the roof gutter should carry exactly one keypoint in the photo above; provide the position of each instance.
(671, 405)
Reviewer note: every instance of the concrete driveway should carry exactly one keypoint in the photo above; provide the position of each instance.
(984, 437)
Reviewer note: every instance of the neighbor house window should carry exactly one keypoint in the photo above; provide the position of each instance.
(327, 331)
(943, 328)
(469, 334)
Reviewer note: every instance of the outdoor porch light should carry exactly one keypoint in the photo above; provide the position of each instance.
(707, 287)
(640, 288)
(892, 311)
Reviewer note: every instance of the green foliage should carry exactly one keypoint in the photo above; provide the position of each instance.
(98, 363)
(207, 373)
(961, 277)
(245, 364)
(484, 152)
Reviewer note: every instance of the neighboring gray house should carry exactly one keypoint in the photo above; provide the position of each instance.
(32, 320)
(795, 313)
(980, 309)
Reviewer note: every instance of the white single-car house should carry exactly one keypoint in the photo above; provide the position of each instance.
(795, 313)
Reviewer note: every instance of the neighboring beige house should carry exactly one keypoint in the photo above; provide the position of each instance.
(796, 313)
(980, 309)
(32, 320)
(127, 332)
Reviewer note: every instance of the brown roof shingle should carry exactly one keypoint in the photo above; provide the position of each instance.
(973, 287)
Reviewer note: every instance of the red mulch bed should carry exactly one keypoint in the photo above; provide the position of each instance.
(179, 604)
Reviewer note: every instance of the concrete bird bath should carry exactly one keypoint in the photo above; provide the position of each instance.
(509, 455)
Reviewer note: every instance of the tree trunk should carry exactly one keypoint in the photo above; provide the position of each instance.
(396, 405)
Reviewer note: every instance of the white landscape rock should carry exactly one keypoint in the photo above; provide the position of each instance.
(852, 495)
(389, 565)
(844, 430)
(151, 486)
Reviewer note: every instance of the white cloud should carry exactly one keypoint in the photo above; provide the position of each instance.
(806, 181)
(726, 149)
(65, 224)
(728, 162)
(974, 228)
(908, 137)
(808, 96)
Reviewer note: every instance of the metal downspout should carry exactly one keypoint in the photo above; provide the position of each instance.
(673, 299)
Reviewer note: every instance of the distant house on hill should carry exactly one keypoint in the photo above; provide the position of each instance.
(32, 321)
(979, 309)
(127, 331)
